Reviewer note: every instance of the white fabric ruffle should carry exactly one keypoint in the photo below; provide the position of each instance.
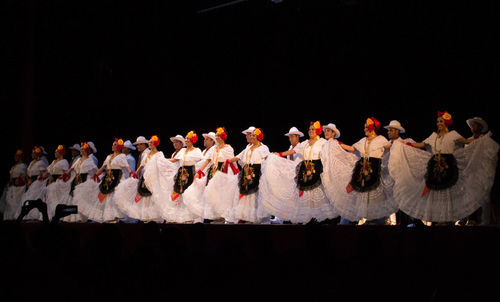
(280, 195)
(476, 165)
(13, 202)
(36, 191)
(145, 209)
(219, 196)
(85, 196)
(338, 165)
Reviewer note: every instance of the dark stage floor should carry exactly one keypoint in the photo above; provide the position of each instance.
(235, 262)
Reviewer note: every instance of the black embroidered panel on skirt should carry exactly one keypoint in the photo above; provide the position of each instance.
(366, 177)
(249, 179)
(308, 174)
(142, 189)
(183, 178)
(110, 181)
(211, 173)
(79, 178)
(442, 172)
(53, 178)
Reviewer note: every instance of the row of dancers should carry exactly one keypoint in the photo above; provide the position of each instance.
(441, 179)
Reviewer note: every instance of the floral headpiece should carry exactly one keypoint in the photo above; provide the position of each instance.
(448, 121)
(60, 149)
(85, 146)
(221, 132)
(192, 137)
(119, 144)
(372, 124)
(155, 140)
(258, 134)
(19, 152)
(38, 150)
(317, 127)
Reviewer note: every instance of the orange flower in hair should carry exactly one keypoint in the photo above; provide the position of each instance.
(37, 150)
(448, 121)
(317, 127)
(192, 137)
(221, 132)
(372, 124)
(60, 149)
(119, 144)
(86, 147)
(155, 140)
(259, 135)
(19, 152)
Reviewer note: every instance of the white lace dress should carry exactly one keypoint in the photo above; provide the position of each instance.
(13, 192)
(355, 197)
(92, 202)
(57, 190)
(281, 186)
(135, 198)
(476, 172)
(215, 190)
(35, 190)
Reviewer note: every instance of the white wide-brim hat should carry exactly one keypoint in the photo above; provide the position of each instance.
(333, 128)
(249, 130)
(43, 150)
(92, 146)
(75, 147)
(128, 144)
(295, 131)
(479, 121)
(210, 135)
(396, 125)
(140, 140)
(179, 138)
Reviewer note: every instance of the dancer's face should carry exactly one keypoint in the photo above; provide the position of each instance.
(392, 133)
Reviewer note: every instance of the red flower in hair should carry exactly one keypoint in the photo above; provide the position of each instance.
(192, 137)
(221, 131)
(60, 149)
(258, 134)
(372, 124)
(119, 144)
(155, 140)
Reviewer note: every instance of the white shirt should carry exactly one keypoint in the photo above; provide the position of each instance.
(17, 170)
(119, 162)
(220, 155)
(257, 156)
(188, 158)
(84, 166)
(59, 167)
(35, 168)
(445, 144)
(295, 156)
(309, 152)
(374, 148)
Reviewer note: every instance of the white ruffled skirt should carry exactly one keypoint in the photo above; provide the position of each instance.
(280, 195)
(36, 191)
(133, 205)
(338, 166)
(85, 196)
(476, 172)
(13, 202)
(219, 196)
(57, 193)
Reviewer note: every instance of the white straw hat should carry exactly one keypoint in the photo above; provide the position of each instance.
(179, 138)
(249, 130)
(295, 131)
(210, 135)
(140, 140)
(92, 146)
(479, 121)
(75, 147)
(333, 128)
(128, 144)
(396, 125)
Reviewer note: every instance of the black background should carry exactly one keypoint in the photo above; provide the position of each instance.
(75, 71)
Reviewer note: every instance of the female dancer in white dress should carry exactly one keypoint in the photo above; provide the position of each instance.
(95, 199)
(448, 184)
(186, 158)
(82, 172)
(57, 190)
(136, 198)
(355, 185)
(293, 190)
(215, 185)
(15, 187)
(247, 201)
(35, 183)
